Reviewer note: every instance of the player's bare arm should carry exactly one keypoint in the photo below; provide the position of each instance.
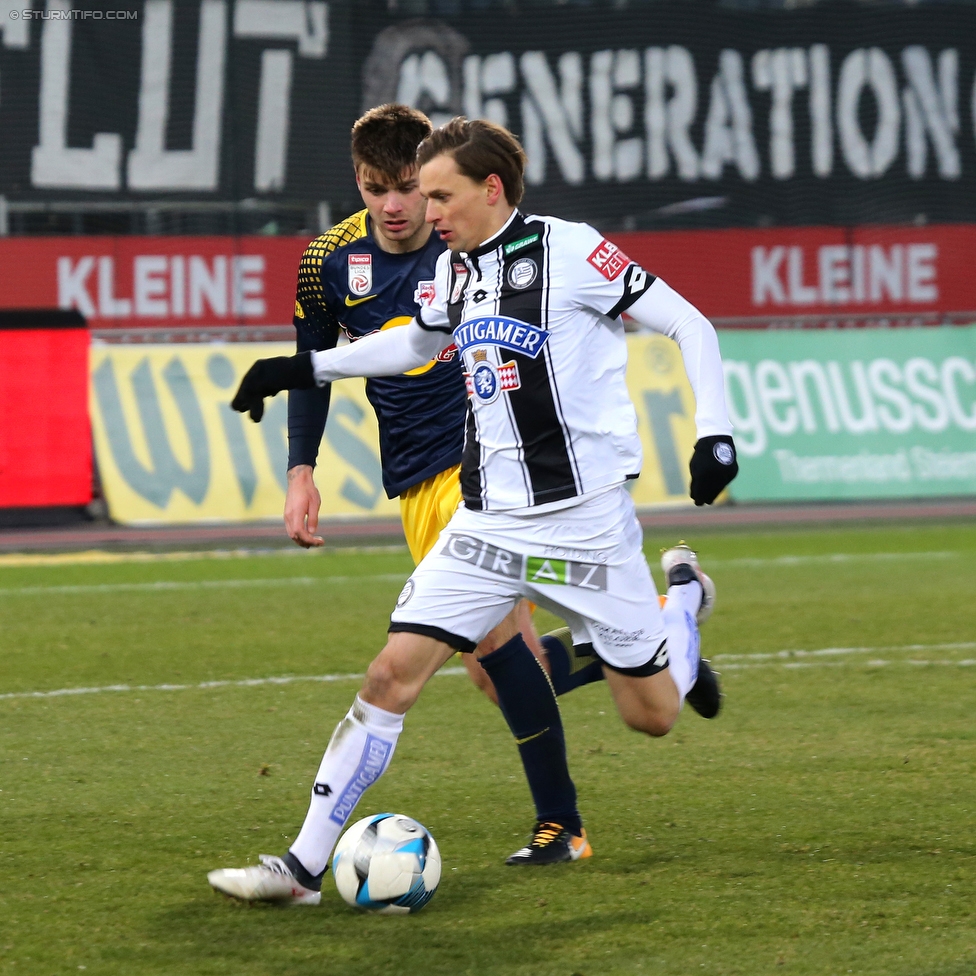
(302, 504)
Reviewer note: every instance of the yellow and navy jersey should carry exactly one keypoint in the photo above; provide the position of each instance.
(347, 283)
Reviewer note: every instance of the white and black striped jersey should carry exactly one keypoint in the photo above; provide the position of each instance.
(534, 312)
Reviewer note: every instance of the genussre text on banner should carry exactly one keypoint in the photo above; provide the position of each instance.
(856, 413)
(170, 449)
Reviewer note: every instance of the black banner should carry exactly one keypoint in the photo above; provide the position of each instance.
(658, 115)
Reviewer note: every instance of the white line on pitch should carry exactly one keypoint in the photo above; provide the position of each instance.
(205, 685)
(872, 663)
(97, 557)
(843, 651)
(100, 557)
(828, 558)
(163, 586)
(729, 662)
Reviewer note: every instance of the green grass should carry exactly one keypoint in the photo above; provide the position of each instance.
(823, 824)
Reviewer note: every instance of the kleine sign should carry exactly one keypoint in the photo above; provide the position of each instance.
(728, 274)
(814, 270)
(154, 281)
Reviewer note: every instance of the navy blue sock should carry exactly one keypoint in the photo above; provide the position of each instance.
(570, 667)
(528, 703)
(307, 880)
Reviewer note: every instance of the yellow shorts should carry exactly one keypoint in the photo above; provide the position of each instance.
(427, 507)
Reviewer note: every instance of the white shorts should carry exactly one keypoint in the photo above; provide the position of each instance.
(584, 563)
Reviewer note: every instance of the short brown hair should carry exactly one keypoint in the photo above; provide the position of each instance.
(479, 148)
(385, 139)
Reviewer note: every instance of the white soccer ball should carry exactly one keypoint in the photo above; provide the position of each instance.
(388, 864)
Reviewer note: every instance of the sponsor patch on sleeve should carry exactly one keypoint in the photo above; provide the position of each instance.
(609, 260)
(424, 293)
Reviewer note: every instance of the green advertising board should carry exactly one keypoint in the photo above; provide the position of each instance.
(853, 413)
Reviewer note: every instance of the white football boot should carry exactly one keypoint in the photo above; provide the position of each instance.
(676, 560)
(680, 565)
(268, 881)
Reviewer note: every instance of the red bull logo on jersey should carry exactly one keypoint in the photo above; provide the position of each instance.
(497, 330)
(424, 293)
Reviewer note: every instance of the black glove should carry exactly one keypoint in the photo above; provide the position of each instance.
(713, 466)
(268, 377)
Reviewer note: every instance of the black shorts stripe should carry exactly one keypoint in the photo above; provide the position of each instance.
(459, 643)
(545, 448)
(642, 670)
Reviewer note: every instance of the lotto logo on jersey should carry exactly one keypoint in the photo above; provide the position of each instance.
(424, 294)
(609, 260)
(360, 268)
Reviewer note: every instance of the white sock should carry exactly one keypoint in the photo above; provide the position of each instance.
(359, 752)
(681, 628)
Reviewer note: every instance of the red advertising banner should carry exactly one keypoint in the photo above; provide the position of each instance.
(734, 274)
(154, 281)
(45, 436)
(730, 274)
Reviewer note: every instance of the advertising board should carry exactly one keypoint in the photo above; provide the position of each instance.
(45, 441)
(732, 275)
(855, 413)
(634, 116)
(171, 450)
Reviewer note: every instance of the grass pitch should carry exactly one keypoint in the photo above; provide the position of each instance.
(823, 824)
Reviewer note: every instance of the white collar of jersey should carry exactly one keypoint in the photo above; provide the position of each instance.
(487, 246)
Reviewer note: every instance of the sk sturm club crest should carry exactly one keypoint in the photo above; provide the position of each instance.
(486, 381)
(522, 273)
(360, 274)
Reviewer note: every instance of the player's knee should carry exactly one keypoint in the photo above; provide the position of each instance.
(653, 725)
(479, 677)
(499, 636)
(654, 722)
(385, 687)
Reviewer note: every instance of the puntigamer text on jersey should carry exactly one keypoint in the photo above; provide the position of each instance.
(499, 330)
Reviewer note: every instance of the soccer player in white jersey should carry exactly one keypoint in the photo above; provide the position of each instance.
(533, 305)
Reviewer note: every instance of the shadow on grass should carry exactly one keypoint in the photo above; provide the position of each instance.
(459, 934)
